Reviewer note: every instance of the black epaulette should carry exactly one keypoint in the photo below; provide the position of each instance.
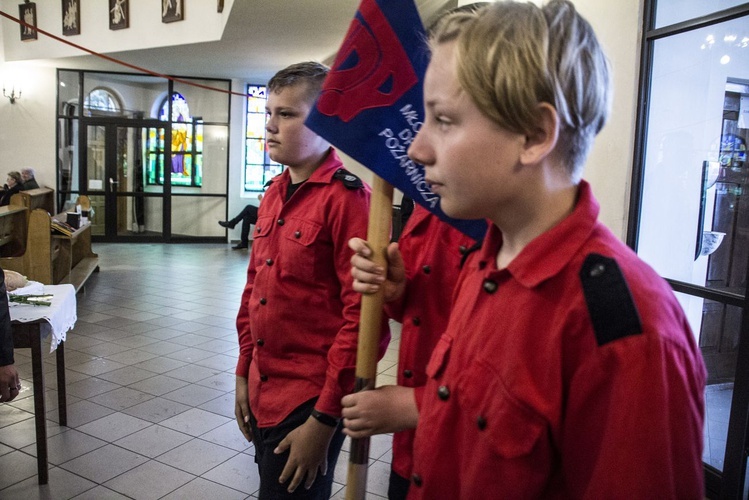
(349, 180)
(268, 183)
(612, 311)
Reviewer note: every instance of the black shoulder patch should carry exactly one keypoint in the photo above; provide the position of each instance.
(349, 180)
(268, 183)
(610, 305)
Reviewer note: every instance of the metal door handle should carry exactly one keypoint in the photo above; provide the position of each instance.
(112, 182)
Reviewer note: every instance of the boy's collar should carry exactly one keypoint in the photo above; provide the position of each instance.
(322, 173)
(548, 253)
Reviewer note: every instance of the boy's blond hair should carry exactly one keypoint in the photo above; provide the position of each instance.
(511, 56)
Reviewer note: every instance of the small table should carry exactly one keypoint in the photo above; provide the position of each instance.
(30, 325)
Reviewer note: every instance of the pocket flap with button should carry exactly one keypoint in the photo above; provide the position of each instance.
(263, 226)
(512, 428)
(301, 231)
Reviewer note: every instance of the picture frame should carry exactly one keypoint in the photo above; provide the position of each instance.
(27, 13)
(119, 14)
(172, 10)
(71, 17)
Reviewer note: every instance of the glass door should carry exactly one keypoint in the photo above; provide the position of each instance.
(125, 207)
(689, 212)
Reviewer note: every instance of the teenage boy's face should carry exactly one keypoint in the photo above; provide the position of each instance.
(469, 160)
(289, 141)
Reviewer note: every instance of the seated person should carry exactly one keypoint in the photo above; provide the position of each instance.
(29, 181)
(248, 216)
(13, 185)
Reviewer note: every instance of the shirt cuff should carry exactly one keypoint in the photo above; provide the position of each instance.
(329, 404)
(243, 366)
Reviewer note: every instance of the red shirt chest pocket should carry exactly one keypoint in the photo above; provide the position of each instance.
(263, 227)
(510, 442)
(300, 247)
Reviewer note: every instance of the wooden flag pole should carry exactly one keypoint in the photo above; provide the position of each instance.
(370, 323)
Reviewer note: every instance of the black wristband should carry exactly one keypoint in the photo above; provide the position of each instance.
(324, 418)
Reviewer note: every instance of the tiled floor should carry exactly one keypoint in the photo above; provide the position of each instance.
(150, 387)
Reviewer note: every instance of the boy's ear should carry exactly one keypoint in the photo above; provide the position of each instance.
(540, 143)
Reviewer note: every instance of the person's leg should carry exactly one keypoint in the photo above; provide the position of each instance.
(398, 487)
(249, 217)
(241, 216)
(271, 465)
(244, 238)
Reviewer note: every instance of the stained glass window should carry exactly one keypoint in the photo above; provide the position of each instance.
(186, 163)
(101, 100)
(258, 167)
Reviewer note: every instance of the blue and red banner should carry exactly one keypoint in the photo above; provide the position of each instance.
(372, 103)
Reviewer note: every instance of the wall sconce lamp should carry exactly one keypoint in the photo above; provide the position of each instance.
(13, 95)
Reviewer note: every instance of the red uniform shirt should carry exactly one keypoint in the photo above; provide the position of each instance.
(542, 388)
(431, 250)
(299, 317)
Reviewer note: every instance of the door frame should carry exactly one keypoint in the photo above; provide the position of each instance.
(111, 125)
(728, 483)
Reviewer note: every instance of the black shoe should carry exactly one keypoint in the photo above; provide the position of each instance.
(239, 246)
(226, 224)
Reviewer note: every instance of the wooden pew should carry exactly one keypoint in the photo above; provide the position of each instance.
(13, 230)
(52, 258)
(32, 199)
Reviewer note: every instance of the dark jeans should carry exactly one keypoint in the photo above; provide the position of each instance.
(248, 216)
(398, 487)
(271, 465)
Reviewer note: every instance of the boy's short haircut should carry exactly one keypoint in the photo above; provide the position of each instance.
(309, 73)
(511, 56)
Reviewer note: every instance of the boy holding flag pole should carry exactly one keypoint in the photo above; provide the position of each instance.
(568, 369)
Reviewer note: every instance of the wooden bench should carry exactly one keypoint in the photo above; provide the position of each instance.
(13, 229)
(50, 258)
(32, 199)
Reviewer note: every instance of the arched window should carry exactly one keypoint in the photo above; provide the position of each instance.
(258, 167)
(186, 164)
(101, 101)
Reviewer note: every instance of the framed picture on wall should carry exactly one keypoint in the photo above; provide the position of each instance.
(119, 14)
(71, 17)
(27, 13)
(172, 10)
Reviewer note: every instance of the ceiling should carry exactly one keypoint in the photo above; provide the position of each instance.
(261, 36)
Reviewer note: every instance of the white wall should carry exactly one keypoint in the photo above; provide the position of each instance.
(27, 128)
(609, 168)
(201, 24)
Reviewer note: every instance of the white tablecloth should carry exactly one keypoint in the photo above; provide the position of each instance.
(61, 315)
